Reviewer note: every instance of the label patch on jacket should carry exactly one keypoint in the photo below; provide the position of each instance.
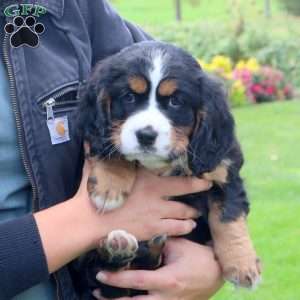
(59, 130)
(24, 29)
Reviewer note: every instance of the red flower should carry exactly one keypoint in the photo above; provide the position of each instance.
(270, 90)
(288, 91)
(256, 88)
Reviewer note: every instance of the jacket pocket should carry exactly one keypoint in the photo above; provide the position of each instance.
(62, 100)
(57, 146)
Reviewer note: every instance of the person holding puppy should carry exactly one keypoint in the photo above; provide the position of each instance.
(46, 218)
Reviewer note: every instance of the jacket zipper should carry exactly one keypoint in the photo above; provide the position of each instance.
(49, 108)
(20, 133)
(53, 101)
(20, 136)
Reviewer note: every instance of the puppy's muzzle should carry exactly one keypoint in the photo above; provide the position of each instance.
(146, 137)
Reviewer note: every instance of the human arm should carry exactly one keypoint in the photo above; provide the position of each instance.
(39, 244)
(190, 272)
(109, 33)
(83, 226)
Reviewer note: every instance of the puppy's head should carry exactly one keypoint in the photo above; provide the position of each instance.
(153, 103)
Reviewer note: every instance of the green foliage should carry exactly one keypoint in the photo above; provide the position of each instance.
(205, 40)
(202, 40)
(284, 55)
(238, 98)
(237, 29)
(163, 11)
(254, 39)
(292, 6)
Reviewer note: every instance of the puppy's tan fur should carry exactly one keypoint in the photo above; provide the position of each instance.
(180, 139)
(111, 179)
(167, 87)
(220, 174)
(138, 84)
(233, 248)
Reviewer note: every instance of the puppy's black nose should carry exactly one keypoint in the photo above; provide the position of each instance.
(146, 136)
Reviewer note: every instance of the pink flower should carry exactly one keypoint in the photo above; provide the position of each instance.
(256, 88)
(244, 75)
(270, 90)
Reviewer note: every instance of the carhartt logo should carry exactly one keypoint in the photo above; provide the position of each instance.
(24, 29)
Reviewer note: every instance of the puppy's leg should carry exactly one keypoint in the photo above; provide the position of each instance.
(233, 248)
(110, 182)
(118, 250)
(149, 256)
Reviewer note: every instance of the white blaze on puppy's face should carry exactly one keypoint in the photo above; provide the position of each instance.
(149, 117)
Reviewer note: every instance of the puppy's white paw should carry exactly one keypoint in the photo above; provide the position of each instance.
(105, 204)
(104, 199)
(121, 245)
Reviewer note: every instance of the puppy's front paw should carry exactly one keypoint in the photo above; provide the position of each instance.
(121, 246)
(243, 272)
(156, 246)
(234, 249)
(110, 182)
(104, 199)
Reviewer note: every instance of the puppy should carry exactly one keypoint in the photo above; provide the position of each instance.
(151, 105)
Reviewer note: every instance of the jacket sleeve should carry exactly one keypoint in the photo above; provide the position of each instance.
(109, 33)
(22, 259)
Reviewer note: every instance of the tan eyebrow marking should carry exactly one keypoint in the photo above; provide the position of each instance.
(167, 87)
(138, 84)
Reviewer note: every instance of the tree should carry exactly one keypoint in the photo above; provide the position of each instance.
(268, 12)
(178, 10)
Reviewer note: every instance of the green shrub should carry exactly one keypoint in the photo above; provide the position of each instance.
(283, 55)
(238, 98)
(205, 40)
(292, 6)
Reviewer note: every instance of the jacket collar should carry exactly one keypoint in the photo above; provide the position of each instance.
(55, 7)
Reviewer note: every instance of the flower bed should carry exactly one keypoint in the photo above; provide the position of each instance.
(248, 81)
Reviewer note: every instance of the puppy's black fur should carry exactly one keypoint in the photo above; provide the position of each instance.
(211, 141)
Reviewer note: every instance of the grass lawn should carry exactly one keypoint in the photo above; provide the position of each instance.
(162, 11)
(159, 15)
(270, 137)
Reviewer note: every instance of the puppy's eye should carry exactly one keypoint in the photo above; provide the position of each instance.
(129, 98)
(175, 102)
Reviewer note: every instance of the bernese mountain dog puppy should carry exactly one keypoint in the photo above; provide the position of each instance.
(151, 105)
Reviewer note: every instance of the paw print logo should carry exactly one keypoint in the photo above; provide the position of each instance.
(24, 31)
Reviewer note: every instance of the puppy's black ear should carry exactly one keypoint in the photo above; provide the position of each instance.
(94, 113)
(213, 134)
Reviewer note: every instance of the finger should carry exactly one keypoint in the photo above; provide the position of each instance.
(85, 172)
(147, 297)
(97, 294)
(86, 169)
(138, 280)
(176, 227)
(177, 186)
(87, 147)
(177, 210)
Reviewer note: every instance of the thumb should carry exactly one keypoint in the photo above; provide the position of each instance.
(174, 250)
(85, 174)
(137, 279)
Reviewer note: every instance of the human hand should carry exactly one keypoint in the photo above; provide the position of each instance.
(146, 212)
(190, 273)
